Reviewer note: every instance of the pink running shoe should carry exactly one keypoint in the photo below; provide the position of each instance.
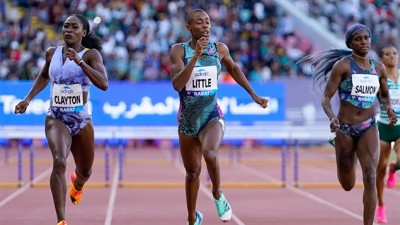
(381, 214)
(391, 181)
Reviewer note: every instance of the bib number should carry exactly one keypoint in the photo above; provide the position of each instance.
(395, 99)
(203, 81)
(365, 87)
(68, 97)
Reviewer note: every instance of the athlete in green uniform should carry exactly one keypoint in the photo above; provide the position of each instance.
(195, 66)
(388, 134)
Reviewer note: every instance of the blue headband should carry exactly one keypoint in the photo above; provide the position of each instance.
(354, 28)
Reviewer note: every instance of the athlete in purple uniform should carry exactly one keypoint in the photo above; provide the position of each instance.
(70, 69)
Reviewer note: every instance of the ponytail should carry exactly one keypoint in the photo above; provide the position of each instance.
(90, 40)
(322, 63)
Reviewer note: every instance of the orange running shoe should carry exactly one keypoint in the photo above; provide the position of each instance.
(75, 195)
(62, 222)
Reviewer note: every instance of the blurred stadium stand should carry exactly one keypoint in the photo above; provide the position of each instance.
(265, 37)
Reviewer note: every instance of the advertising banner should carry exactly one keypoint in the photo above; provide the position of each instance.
(130, 104)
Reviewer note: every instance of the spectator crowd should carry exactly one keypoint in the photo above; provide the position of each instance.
(381, 16)
(137, 34)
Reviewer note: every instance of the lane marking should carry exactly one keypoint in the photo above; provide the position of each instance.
(325, 202)
(258, 173)
(25, 187)
(329, 173)
(316, 198)
(207, 192)
(113, 195)
(392, 191)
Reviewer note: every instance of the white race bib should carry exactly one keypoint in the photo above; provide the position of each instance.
(68, 96)
(203, 81)
(365, 87)
(395, 99)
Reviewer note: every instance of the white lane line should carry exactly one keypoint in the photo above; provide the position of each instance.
(25, 187)
(393, 191)
(258, 173)
(325, 202)
(207, 192)
(329, 173)
(316, 198)
(113, 195)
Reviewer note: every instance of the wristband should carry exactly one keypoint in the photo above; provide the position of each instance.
(80, 62)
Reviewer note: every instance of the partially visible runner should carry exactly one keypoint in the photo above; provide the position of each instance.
(70, 69)
(195, 66)
(358, 80)
(388, 135)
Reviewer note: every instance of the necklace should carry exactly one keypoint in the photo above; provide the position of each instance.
(358, 56)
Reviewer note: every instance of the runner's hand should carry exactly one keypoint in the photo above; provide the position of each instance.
(21, 107)
(392, 116)
(72, 55)
(200, 46)
(263, 102)
(334, 124)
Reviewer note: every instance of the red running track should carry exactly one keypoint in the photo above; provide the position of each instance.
(153, 192)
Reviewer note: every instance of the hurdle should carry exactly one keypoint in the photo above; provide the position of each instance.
(297, 136)
(117, 136)
(232, 133)
(25, 136)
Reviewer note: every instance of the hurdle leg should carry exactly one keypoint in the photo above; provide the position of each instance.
(6, 154)
(231, 154)
(31, 161)
(6, 150)
(107, 162)
(296, 163)
(174, 149)
(19, 156)
(121, 153)
(239, 154)
(283, 162)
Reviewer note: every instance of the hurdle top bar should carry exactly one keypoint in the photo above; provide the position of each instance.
(232, 132)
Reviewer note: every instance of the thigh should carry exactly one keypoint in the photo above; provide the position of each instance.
(58, 137)
(211, 136)
(384, 153)
(368, 148)
(190, 148)
(82, 147)
(345, 153)
(397, 146)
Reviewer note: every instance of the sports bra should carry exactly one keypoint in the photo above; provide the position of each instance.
(360, 88)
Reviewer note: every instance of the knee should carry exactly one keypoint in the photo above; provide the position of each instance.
(84, 174)
(60, 163)
(369, 178)
(193, 174)
(210, 154)
(347, 186)
(381, 173)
